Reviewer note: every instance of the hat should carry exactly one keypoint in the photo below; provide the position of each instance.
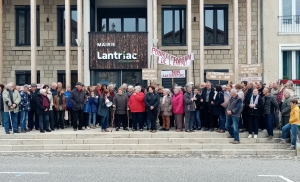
(27, 86)
(79, 83)
(33, 85)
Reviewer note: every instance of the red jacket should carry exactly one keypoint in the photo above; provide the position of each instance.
(136, 102)
(177, 103)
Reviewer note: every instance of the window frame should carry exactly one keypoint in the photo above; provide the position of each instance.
(27, 74)
(60, 29)
(288, 47)
(26, 9)
(174, 8)
(289, 25)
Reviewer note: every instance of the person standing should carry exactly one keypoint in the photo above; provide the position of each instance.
(152, 100)
(165, 110)
(60, 105)
(270, 108)
(103, 110)
(11, 101)
(53, 90)
(218, 110)
(24, 107)
(136, 105)
(78, 99)
(1, 105)
(207, 97)
(50, 97)
(286, 108)
(178, 108)
(33, 118)
(254, 107)
(42, 109)
(233, 113)
(198, 103)
(120, 103)
(189, 108)
(93, 102)
(293, 125)
(69, 106)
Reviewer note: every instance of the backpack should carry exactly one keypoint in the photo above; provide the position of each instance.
(226, 100)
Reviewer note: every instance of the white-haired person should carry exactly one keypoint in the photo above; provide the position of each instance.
(42, 110)
(189, 108)
(50, 97)
(11, 101)
(178, 108)
(165, 109)
(24, 107)
(136, 105)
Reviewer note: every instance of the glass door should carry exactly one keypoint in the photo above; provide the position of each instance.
(106, 77)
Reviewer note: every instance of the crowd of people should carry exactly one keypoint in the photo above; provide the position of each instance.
(246, 106)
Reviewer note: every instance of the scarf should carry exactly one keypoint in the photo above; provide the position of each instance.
(45, 101)
(60, 99)
(256, 100)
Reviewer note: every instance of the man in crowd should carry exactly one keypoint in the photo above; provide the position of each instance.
(24, 107)
(33, 119)
(260, 88)
(54, 90)
(78, 100)
(207, 97)
(270, 109)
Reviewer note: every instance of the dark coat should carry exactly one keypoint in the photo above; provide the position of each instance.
(198, 102)
(33, 98)
(248, 95)
(102, 109)
(211, 97)
(152, 99)
(189, 104)
(78, 99)
(217, 108)
(40, 109)
(1, 102)
(120, 102)
(259, 107)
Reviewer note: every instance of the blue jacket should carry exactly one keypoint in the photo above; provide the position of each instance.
(69, 104)
(93, 101)
(102, 109)
(25, 101)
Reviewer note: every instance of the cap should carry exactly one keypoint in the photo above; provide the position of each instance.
(33, 85)
(79, 83)
(27, 86)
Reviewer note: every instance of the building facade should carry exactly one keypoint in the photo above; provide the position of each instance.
(110, 41)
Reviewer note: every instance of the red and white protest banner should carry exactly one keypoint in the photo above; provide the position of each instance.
(171, 60)
(173, 74)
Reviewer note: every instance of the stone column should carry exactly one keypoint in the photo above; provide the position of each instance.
(189, 39)
(201, 28)
(149, 29)
(1, 43)
(236, 38)
(79, 37)
(68, 40)
(33, 41)
(87, 28)
(248, 39)
(154, 11)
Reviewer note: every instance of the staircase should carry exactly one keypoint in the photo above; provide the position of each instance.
(128, 142)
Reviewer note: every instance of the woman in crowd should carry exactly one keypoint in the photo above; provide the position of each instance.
(60, 104)
(165, 109)
(69, 106)
(255, 109)
(103, 110)
(178, 108)
(198, 103)
(42, 110)
(93, 102)
(52, 120)
(218, 110)
(152, 102)
(87, 109)
(189, 108)
(136, 105)
(120, 102)
(129, 92)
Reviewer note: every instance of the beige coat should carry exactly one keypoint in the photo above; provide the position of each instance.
(50, 97)
(166, 108)
(7, 102)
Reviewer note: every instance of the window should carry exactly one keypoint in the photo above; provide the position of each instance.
(23, 25)
(291, 65)
(290, 16)
(24, 77)
(61, 31)
(61, 77)
(173, 25)
(216, 25)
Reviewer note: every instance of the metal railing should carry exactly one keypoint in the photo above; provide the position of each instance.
(289, 24)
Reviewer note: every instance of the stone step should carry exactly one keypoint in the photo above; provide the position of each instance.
(134, 141)
(252, 152)
(140, 147)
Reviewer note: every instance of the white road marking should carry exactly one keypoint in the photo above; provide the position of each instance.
(277, 176)
(39, 173)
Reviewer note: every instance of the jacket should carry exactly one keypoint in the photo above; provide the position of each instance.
(217, 108)
(54, 92)
(50, 97)
(120, 102)
(258, 109)
(102, 109)
(136, 103)
(189, 104)
(152, 99)
(78, 99)
(69, 104)
(177, 103)
(235, 106)
(1, 102)
(56, 102)
(211, 98)
(93, 102)
(248, 95)
(33, 97)
(294, 116)
(40, 109)
(25, 101)
(7, 102)
(270, 104)
(166, 108)
(286, 107)
(198, 102)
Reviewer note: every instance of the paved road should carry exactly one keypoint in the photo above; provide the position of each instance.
(146, 169)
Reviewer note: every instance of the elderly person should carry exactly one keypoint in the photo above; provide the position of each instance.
(198, 109)
(136, 105)
(24, 107)
(207, 97)
(286, 107)
(120, 103)
(78, 100)
(11, 101)
(53, 90)
(275, 89)
(60, 104)
(1, 104)
(178, 108)
(129, 92)
(254, 107)
(233, 113)
(50, 97)
(69, 105)
(33, 118)
(103, 110)
(152, 100)
(218, 110)
(18, 88)
(165, 109)
(270, 108)
(42, 109)
(189, 108)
